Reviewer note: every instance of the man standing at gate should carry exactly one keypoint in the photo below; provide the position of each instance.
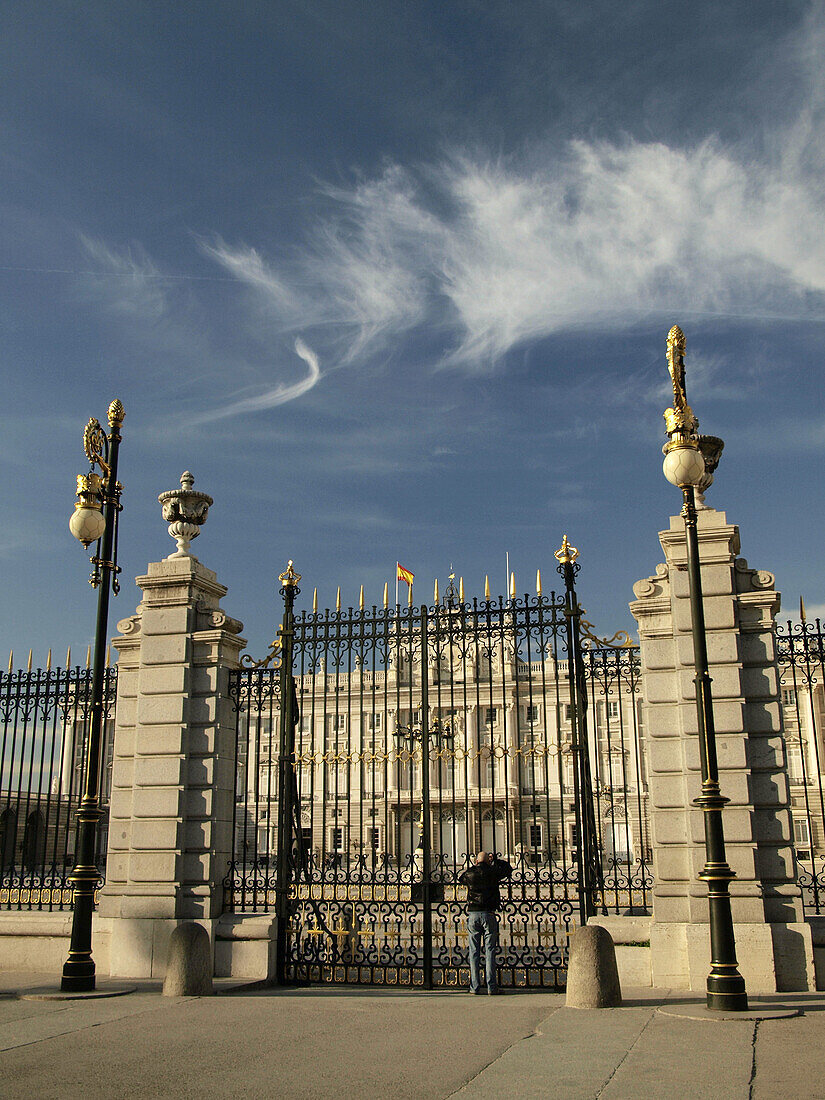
(483, 901)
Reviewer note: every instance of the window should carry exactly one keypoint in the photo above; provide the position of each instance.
(788, 697)
(568, 712)
(339, 722)
(532, 713)
(305, 725)
(535, 836)
(491, 716)
(613, 708)
(375, 721)
(336, 840)
(802, 837)
(374, 838)
(796, 773)
(616, 771)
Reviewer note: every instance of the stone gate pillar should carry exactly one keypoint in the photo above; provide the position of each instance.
(170, 824)
(773, 942)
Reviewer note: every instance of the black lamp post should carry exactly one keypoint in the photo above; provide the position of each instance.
(689, 460)
(423, 732)
(95, 519)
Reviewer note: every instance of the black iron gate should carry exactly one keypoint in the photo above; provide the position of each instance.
(409, 739)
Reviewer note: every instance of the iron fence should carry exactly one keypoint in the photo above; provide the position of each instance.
(800, 651)
(44, 715)
(422, 736)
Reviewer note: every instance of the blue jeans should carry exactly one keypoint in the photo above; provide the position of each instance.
(482, 927)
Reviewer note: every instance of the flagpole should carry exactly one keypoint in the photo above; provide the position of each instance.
(396, 585)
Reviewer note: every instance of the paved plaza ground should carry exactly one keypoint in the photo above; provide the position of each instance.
(254, 1042)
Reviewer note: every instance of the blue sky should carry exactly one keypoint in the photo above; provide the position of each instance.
(393, 280)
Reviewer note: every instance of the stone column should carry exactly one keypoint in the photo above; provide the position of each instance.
(170, 826)
(773, 942)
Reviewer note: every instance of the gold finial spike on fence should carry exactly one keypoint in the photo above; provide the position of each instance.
(338, 599)
(461, 590)
(435, 591)
(512, 586)
(486, 587)
(108, 654)
(802, 610)
(538, 582)
(68, 657)
(361, 599)
(11, 658)
(29, 665)
(314, 600)
(409, 595)
(88, 657)
(386, 595)
(49, 661)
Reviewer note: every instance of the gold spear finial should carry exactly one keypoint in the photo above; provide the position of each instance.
(386, 595)
(49, 661)
(108, 654)
(435, 591)
(88, 657)
(68, 657)
(29, 665)
(566, 553)
(512, 586)
(409, 595)
(802, 610)
(486, 586)
(338, 599)
(461, 590)
(314, 600)
(538, 582)
(361, 599)
(11, 659)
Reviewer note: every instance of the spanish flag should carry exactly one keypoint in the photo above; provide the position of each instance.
(404, 574)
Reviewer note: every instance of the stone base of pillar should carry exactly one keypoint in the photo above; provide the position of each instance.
(773, 958)
(245, 947)
(139, 946)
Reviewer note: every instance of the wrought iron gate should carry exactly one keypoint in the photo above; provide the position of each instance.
(408, 740)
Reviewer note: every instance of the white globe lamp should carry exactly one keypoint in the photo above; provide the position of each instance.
(684, 466)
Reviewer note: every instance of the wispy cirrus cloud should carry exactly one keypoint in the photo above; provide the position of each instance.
(271, 397)
(494, 253)
(127, 278)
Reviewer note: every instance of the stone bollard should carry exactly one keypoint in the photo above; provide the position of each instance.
(189, 970)
(592, 976)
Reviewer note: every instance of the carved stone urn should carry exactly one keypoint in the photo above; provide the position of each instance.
(711, 448)
(185, 510)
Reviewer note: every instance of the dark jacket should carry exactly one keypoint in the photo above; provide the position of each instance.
(482, 881)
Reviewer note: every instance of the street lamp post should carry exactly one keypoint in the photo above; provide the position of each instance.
(95, 519)
(422, 732)
(689, 463)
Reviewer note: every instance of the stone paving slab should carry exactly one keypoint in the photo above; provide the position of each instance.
(334, 1042)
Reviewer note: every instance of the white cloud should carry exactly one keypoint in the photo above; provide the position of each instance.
(128, 279)
(597, 233)
(270, 398)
